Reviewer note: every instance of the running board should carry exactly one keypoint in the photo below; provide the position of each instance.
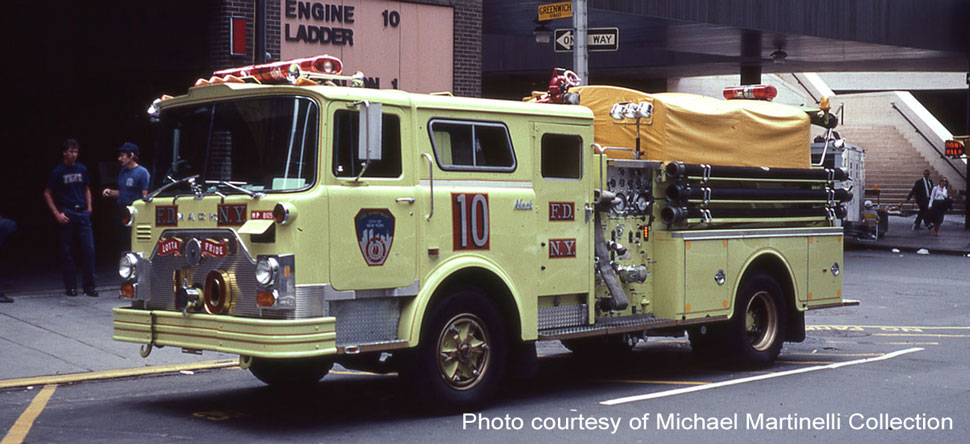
(844, 303)
(609, 326)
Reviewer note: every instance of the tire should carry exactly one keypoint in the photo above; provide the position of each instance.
(462, 357)
(756, 332)
(296, 372)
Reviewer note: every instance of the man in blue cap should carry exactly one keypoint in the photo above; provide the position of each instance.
(132, 184)
(68, 196)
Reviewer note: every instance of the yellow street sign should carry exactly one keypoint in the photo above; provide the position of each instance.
(551, 11)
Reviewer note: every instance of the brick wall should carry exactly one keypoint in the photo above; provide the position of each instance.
(467, 34)
(468, 48)
(219, 37)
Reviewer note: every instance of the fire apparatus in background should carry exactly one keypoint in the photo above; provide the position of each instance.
(304, 223)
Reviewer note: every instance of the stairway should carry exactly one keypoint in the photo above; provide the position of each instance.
(892, 164)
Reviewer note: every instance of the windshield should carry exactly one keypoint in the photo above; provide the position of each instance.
(258, 144)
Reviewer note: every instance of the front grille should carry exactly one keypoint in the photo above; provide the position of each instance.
(143, 233)
(240, 264)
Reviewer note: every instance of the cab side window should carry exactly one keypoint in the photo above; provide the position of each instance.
(562, 156)
(346, 124)
(472, 145)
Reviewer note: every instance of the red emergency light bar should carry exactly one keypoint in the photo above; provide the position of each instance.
(286, 71)
(955, 148)
(756, 92)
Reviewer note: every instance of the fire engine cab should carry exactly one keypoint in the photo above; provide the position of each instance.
(305, 221)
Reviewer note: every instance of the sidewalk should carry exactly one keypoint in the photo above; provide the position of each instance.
(953, 238)
(43, 332)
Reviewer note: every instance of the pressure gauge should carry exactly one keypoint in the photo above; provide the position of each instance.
(620, 207)
(642, 203)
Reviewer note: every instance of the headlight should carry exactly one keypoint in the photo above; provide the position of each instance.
(267, 268)
(127, 265)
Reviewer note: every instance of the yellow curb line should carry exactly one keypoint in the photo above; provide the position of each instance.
(114, 374)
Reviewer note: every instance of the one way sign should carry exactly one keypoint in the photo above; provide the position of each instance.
(597, 39)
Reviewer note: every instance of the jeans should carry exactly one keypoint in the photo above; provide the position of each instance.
(79, 229)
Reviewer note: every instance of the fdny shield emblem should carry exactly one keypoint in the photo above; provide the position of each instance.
(375, 234)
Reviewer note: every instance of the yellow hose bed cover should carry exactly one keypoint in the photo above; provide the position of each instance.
(699, 129)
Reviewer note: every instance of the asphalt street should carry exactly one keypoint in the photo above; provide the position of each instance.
(901, 356)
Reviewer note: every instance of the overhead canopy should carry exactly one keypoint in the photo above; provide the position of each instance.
(698, 129)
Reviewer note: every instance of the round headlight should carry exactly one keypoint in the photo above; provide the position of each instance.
(267, 269)
(127, 265)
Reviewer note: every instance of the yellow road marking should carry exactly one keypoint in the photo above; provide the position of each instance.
(805, 362)
(921, 335)
(113, 374)
(883, 343)
(358, 373)
(855, 355)
(19, 431)
(637, 381)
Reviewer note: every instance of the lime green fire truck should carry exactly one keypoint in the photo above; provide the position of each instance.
(306, 221)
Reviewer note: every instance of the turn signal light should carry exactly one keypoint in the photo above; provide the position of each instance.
(128, 291)
(755, 92)
(128, 216)
(283, 213)
(265, 298)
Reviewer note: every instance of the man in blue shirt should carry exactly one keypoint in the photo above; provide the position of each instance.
(132, 184)
(68, 195)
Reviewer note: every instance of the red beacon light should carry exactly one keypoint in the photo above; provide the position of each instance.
(754, 92)
(286, 71)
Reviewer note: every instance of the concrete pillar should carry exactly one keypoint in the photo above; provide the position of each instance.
(750, 57)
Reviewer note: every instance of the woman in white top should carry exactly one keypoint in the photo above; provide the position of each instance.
(939, 203)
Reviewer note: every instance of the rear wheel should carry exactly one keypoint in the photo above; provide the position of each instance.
(290, 372)
(757, 331)
(463, 354)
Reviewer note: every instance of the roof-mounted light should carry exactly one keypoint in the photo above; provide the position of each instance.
(755, 92)
(286, 71)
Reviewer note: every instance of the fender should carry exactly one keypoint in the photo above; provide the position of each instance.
(413, 315)
(769, 254)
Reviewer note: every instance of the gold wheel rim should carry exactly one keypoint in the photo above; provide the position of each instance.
(761, 321)
(463, 352)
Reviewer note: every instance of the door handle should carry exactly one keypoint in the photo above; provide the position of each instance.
(409, 200)
(430, 181)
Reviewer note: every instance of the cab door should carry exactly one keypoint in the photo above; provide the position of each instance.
(562, 191)
(372, 216)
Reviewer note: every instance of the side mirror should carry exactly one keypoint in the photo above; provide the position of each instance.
(370, 132)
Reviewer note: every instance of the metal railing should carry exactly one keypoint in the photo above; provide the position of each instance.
(928, 141)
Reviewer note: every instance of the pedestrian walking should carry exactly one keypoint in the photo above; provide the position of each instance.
(921, 192)
(68, 195)
(132, 184)
(7, 227)
(940, 202)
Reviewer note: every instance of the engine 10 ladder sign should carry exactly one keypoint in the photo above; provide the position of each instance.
(469, 215)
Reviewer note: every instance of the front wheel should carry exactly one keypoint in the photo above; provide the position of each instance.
(757, 331)
(462, 358)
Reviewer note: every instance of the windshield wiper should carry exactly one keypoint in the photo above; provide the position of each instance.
(190, 180)
(250, 193)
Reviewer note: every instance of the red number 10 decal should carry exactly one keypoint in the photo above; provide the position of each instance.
(469, 215)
